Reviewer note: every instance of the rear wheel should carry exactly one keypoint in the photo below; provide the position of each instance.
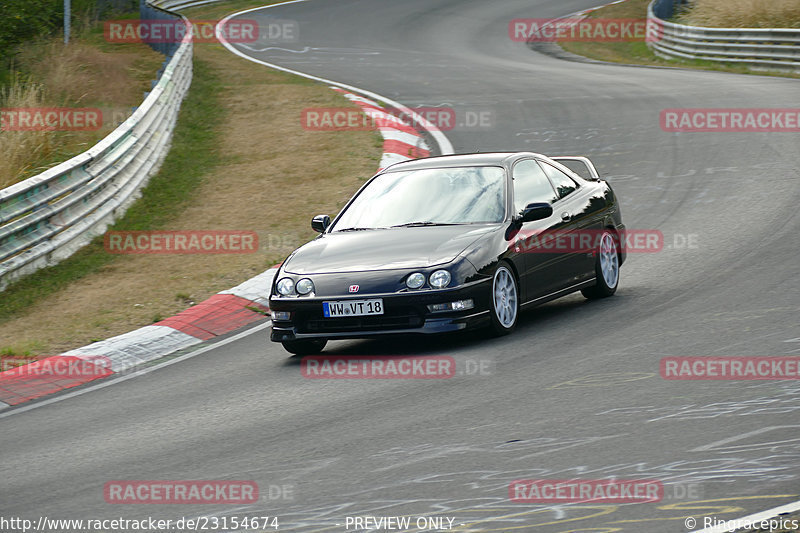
(505, 300)
(305, 346)
(606, 268)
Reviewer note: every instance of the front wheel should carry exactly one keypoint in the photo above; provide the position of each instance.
(606, 268)
(305, 346)
(505, 300)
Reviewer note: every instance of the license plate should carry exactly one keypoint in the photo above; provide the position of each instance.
(352, 308)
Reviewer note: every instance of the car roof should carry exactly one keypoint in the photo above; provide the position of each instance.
(462, 160)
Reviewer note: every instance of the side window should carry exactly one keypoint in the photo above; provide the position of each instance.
(531, 185)
(562, 183)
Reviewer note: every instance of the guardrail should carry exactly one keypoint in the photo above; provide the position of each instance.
(181, 4)
(765, 49)
(46, 218)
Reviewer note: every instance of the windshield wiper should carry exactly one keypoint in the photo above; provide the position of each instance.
(418, 224)
(355, 229)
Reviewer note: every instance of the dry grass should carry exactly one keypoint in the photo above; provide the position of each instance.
(19, 149)
(743, 13)
(85, 74)
(79, 75)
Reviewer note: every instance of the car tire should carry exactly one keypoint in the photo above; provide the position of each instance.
(606, 267)
(504, 300)
(305, 346)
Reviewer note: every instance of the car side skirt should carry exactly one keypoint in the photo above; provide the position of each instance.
(558, 294)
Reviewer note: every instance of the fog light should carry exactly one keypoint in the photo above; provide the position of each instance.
(463, 305)
(460, 305)
(280, 315)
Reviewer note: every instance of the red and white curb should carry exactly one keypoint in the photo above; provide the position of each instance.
(223, 313)
(401, 142)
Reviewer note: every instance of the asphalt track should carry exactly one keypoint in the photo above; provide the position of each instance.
(574, 393)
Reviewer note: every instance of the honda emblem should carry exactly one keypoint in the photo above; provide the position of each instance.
(354, 288)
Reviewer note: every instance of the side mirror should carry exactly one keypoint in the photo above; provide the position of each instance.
(536, 211)
(320, 223)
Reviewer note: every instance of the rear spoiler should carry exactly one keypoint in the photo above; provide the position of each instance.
(580, 165)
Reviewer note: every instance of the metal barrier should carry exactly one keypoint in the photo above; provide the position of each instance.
(181, 4)
(153, 11)
(46, 218)
(665, 9)
(769, 48)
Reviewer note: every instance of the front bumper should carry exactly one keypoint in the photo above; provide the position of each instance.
(404, 313)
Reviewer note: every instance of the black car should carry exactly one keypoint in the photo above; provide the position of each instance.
(446, 243)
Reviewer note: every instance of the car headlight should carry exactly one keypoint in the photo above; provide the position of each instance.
(440, 279)
(415, 280)
(286, 286)
(304, 286)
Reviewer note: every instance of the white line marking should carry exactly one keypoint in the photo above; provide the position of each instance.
(303, 51)
(126, 377)
(715, 446)
(756, 517)
(445, 147)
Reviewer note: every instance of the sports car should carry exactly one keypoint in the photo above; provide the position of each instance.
(445, 243)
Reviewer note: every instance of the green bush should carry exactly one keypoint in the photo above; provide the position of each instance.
(22, 20)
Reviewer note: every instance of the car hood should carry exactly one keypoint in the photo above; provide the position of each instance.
(384, 249)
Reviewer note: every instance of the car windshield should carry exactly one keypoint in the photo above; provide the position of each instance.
(427, 197)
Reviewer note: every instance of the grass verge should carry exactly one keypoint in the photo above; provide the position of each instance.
(240, 160)
(637, 53)
(87, 73)
(743, 14)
